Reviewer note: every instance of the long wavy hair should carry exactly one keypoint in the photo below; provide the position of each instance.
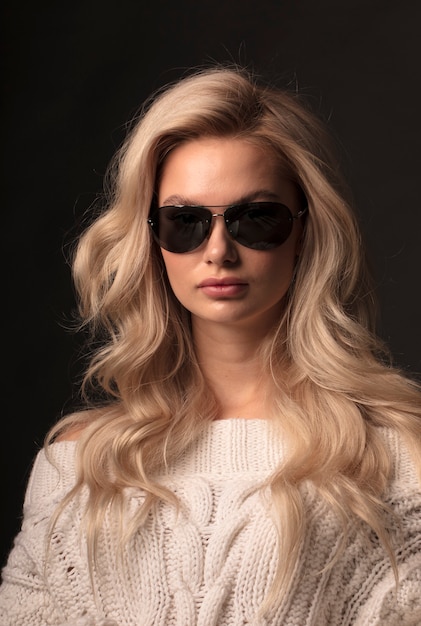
(329, 374)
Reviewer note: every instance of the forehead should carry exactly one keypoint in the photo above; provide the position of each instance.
(211, 145)
(220, 171)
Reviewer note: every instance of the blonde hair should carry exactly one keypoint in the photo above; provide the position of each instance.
(337, 386)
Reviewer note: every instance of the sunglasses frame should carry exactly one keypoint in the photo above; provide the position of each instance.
(153, 221)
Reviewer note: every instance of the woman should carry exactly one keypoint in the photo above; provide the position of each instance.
(246, 454)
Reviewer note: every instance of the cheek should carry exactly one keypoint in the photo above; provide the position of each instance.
(177, 270)
(276, 274)
(280, 264)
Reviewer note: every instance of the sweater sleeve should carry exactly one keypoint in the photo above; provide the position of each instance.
(24, 592)
(389, 604)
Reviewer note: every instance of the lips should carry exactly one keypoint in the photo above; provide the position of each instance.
(219, 282)
(223, 287)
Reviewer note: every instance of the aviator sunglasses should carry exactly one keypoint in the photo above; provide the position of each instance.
(256, 225)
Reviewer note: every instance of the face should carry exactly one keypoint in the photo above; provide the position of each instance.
(222, 281)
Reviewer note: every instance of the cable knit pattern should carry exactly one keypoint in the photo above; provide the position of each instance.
(212, 563)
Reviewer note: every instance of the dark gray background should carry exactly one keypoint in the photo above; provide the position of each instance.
(75, 72)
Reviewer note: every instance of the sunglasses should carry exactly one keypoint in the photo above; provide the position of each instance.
(256, 225)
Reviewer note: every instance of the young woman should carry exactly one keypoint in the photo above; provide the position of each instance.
(246, 453)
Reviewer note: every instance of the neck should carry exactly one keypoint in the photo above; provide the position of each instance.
(231, 365)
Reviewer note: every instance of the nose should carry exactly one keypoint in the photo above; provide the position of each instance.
(220, 247)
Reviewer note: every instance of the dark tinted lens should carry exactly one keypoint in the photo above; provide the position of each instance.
(259, 225)
(181, 229)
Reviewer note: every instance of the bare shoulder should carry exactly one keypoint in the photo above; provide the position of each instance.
(72, 434)
(74, 425)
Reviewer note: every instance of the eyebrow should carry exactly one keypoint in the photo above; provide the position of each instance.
(261, 194)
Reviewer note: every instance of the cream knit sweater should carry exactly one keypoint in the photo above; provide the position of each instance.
(213, 563)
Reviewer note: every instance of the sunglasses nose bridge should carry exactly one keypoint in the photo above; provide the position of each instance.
(210, 221)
